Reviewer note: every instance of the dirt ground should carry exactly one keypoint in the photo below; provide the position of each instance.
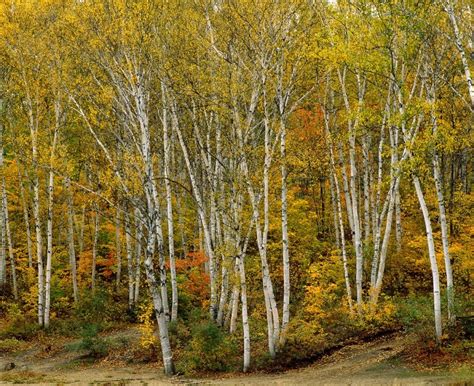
(373, 363)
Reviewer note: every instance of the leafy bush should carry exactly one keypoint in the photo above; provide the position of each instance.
(94, 344)
(415, 313)
(179, 334)
(208, 350)
(93, 305)
(18, 324)
(12, 345)
(147, 327)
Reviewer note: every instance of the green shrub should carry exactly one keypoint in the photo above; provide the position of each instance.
(12, 345)
(18, 325)
(209, 349)
(179, 334)
(415, 314)
(91, 342)
(93, 306)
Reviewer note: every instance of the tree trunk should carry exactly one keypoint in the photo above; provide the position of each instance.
(157, 303)
(201, 214)
(49, 223)
(432, 255)
(284, 232)
(9, 239)
(70, 237)
(94, 246)
(26, 218)
(138, 255)
(448, 6)
(167, 150)
(118, 247)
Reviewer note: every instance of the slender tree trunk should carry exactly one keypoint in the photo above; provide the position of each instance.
(157, 303)
(26, 218)
(448, 7)
(118, 247)
(94, 246)
(284, 232)
(334, 212)
(130, 271)
(70, 237)
(234, 305)
(386, 238)
(398, 220)
(366, 168)
(345, 185)
(37, 218)
(442, 211)
(262, 235)
(167, 150)
(224, 294)
(432, 255)
(82, 225)
(444, 236)
(338, 218)
(138, 255)
(49, 223)
(3, 260)
(201, 214)
(245, 319)
(355, 216)
(9, 239)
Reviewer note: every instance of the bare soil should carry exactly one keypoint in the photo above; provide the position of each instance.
(373, 363)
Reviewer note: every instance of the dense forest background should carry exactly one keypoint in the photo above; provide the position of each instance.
(257, 181)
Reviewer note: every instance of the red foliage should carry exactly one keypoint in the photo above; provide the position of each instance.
(193, 259)
(197, 280)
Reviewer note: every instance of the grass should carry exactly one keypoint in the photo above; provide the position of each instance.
(394, 367)
(22, 377)
(12, 345)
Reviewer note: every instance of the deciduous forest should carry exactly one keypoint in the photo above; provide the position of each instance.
(246, 183)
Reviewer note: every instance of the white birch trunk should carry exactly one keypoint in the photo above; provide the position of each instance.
(284, 232)
(398, 220)
(118, 247)
(201, 213)
(95, 238)
(444, 236)
(234, 309)
(167, 149)
(366, 167)
(49, 223)
(130, 271)
(442, 211)
(70, 237)
(448, 7)
(37, 219)
(82, 224)
(26, 218)
(157, 302)
(138, 255)
(432, 255)
(338, 217)
(9, 239)
(3, 260)
(334, 211)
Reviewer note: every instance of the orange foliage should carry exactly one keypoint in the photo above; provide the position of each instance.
(196, 283)
(309, 123)
(193, 259)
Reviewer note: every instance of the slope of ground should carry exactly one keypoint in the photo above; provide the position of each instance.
(373, 363)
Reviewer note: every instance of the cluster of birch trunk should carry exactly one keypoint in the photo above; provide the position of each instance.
(154, 109)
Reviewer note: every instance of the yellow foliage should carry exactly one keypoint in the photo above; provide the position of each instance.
(146, 317)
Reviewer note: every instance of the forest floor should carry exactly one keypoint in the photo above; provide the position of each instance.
(378, 362)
